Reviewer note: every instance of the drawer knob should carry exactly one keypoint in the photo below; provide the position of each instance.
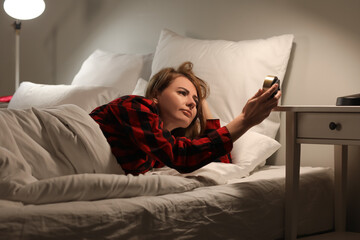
(333, 126)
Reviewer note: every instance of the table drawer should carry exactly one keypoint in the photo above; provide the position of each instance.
(328, 125)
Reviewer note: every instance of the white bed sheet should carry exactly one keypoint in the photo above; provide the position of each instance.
(248, 208)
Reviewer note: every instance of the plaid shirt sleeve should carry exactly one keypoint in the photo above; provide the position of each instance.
(132, 126)
(211, 125)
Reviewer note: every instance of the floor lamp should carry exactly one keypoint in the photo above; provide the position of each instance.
(22, 10)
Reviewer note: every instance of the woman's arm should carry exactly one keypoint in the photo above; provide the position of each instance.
(254, 112)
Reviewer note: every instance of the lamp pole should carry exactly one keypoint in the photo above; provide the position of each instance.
(22, 10)
(17, 27)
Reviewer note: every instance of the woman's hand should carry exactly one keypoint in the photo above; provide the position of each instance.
(254, 112)
(206, 110)
(260, 105)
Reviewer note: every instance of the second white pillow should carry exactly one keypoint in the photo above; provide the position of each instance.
(114, 70)
(42, 95)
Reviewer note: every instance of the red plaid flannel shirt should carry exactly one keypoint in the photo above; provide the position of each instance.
(132, 126)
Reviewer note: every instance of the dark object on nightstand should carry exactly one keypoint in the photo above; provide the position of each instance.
(351, 100)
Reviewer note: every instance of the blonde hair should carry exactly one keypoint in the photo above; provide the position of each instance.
(164, 78)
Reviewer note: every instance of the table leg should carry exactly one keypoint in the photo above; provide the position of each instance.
(292, 177)
(340, 168)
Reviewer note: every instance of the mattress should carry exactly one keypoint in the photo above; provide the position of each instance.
(247, 208)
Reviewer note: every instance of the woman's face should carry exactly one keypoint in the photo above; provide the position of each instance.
(177, 103)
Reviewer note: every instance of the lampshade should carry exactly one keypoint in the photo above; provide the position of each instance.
(24, 9)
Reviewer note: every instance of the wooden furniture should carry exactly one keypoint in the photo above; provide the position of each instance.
(335, 125)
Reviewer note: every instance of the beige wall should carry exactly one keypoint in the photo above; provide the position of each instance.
(324, 62)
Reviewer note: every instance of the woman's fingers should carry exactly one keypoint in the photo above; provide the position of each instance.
(269, 92)
(278, 95)
(258, 94)
(264, 96)
(273, 102)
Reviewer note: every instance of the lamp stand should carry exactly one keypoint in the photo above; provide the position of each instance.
(17, 27)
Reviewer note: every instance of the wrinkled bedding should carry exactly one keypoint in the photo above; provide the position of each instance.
(60, 154)
(249, 208)
(58, 179)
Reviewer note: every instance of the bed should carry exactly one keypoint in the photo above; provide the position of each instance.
(60, 180)
(250, 208)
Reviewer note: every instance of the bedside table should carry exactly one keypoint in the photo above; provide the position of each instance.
(335, 125)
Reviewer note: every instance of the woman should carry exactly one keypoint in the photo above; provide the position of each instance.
(171, 126)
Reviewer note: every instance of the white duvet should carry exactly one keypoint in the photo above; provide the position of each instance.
(251, 208)
(60, 154)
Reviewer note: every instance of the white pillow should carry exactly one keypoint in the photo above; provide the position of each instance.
(140, 87)
(120, 71)
(233, 70)
(41, 95)
(252, 149)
